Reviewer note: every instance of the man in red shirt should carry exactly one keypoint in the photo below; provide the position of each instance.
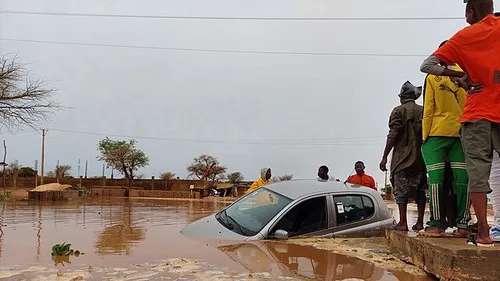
(476, 49)
(361, 178)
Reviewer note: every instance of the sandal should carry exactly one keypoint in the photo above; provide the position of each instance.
(473, 227)
(473, 241)
(415, 228)
(462, 233)
(397, 228)
(426, 232)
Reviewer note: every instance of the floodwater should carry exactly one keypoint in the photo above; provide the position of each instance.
(139, 239)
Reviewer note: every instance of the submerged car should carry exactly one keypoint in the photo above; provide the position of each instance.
(298, 208)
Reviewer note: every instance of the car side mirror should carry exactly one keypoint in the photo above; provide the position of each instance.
(281, 234)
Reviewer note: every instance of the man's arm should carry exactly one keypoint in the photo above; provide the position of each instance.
(349, 179)
(395, 126)
(447, 54)
(428, 94)
(432, 65)
(389, 145)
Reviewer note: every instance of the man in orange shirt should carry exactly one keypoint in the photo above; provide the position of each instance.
(361, 178)
(476, 49)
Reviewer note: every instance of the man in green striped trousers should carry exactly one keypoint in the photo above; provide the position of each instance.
(443, 106)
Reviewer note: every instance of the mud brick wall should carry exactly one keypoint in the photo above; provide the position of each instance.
(122, 192)
(54, 195)
(145, 184)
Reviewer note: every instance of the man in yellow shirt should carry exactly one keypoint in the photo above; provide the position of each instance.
(443, 105)
(265, 178)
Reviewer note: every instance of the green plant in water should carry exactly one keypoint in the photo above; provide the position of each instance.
(61, 249)
(64, 250)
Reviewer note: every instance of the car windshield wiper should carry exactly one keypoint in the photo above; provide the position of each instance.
(234, 223)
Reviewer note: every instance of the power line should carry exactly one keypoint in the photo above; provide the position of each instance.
(313, 142)
(231, 18)
(213, 50)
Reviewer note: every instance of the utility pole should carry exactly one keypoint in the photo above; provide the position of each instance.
(86, 165)
(36, 172)
(103, 170)
(57, 171)
(44, 132)
(78, 168)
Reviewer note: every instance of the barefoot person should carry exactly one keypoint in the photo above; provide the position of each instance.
(443, 105)
(408, 175)
(476, 49)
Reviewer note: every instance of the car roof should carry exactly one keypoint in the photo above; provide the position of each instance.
(294, 189)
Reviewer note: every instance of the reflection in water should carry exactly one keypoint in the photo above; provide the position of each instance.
(302, 262)
(110, 231)
(62, 260)
(1, 228)
(38, 233)
(309, 263)
(118, 238)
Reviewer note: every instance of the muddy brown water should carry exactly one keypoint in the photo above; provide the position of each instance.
(139, 239)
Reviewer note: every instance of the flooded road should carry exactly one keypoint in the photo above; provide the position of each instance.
(139, 239)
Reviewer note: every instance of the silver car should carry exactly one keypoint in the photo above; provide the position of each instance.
(298, 208)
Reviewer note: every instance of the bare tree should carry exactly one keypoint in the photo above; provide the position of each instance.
(24, 100)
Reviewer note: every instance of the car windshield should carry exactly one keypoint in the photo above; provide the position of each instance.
(250, 214)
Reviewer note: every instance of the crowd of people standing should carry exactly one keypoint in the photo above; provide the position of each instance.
(450, 146)
(458, 124)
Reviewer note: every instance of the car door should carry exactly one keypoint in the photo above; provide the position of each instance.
(300, 218)
(355, 214)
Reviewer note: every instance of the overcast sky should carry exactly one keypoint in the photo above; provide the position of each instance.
(329, 110)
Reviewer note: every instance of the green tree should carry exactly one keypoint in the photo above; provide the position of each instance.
(167, 176)
(235, 177)
(200, 164)
(122, 156)
(26, 172)
(61, 171)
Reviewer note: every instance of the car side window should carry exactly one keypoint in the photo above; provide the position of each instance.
(352, 208)
(306, 217)
(369, 206)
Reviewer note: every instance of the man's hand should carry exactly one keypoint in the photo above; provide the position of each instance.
(383, 165)
(470, 86)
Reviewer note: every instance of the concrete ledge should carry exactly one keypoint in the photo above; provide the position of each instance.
(449, 259)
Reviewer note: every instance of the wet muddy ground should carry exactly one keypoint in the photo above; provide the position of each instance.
(139, 239)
